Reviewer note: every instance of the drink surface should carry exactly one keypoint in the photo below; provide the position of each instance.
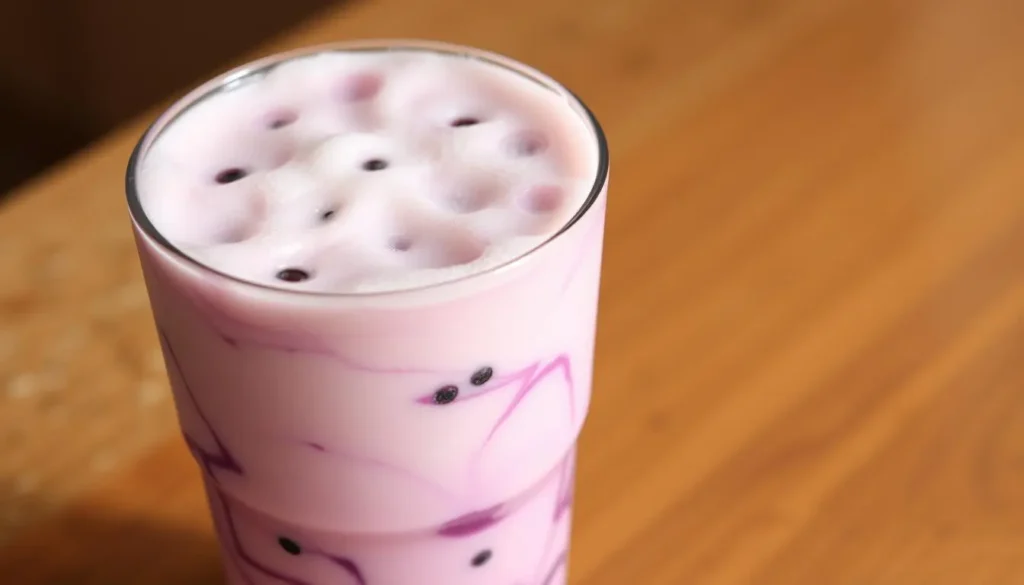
(369, 171)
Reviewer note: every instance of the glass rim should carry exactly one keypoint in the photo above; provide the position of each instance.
(231, 78)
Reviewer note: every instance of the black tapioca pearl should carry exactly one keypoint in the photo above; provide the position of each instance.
(327, 215)
(293, 275)
(375, 164)
(482, 557)
(230, 175)
(290, 546)
(481, 376)
(464, 121)
(281, 120)
(446, 394)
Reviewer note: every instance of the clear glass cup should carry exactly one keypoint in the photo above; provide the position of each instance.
(415, 436)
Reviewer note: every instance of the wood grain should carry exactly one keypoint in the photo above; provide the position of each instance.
(811, 347)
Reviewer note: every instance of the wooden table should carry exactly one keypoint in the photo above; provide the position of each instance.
(811, 355)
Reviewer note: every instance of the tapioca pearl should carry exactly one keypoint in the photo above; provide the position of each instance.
(481, 376)
(328, 214)
(464, 121)
(446, 394)
(230, 175)
(374, 164)
(289, 546)
(480, 559)
(460, 110)
(281, 122)
(293, 274)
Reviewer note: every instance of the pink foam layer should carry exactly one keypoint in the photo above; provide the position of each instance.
(348, 172)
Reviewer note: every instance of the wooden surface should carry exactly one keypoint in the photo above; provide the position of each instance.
(811, 355)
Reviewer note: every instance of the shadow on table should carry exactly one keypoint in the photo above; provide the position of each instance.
(97, 547)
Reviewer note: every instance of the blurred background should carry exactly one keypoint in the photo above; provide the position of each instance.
(71, 70)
